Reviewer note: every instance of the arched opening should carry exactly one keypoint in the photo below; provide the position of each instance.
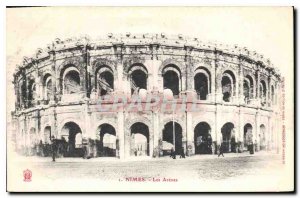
(47, 141)
(262, 137)
(201, 81)
(72, 132)
(104, 81)
(71, 81)
(106, 141)
(139, 139)
(47, 135)
(31, 93)
(47, 84)
(138, 75)
(272, 95)
(172, 79)
(32, 137)
(23, 91)
(228, 137)
(202, 139)
(247, 135)
(228, 86)
(263, 92)
(169, 139)
(33, 141)
(248, 89)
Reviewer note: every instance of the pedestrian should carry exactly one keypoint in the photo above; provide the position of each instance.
(221, 150)
(53, 148)
(173, 154)
(251, 148)
(40, 149)
(135, 152)
(84, 156)
(182, 155)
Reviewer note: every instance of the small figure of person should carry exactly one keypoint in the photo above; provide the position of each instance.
(135, 152)
(251, 148)
(85, 153)
(53, 148)
(182, 155)
(40, 148)
(221, 150)
(173, 154)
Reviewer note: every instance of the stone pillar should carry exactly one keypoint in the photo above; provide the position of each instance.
(218, 125)
(56, 87)
(268, 95)
(27, 93)
(127, 139)
(16, 124)
(183, 85)
(156, 81)
(24, 95)
(218, 85)
(190, 134)
(270, 143)
(17, 93)
(86, 132)
(121, 134)
(254, 87)
(155, 132)
(38, 125)
(20, 94)
(21, 124)
(189, 73)
(151, 140)
(53, 122)
(240, 86)
(257, 129)
(241, 130)
(150, 82)
(119, 79)
(160, 82)
(87, 70)
(213, 81)
(184, 134)
(93, 79)
(39, 87)
(257, 86)
(83, 71)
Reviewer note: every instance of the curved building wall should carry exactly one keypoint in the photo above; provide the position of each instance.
(75, 90)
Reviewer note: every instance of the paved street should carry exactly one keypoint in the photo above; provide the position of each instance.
(196, 167)
(201, 173)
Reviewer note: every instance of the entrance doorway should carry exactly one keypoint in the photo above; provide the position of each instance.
(74, 137)
(228, 138)
(202, 139)
(168, 137)
(139, 139)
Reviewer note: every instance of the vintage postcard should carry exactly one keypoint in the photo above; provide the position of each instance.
(150, 99)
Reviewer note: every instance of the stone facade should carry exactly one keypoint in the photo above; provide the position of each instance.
(237, 94)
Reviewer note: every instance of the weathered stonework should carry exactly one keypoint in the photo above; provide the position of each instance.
(241, 88)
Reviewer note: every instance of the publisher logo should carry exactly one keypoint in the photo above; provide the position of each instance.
(27, 174)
